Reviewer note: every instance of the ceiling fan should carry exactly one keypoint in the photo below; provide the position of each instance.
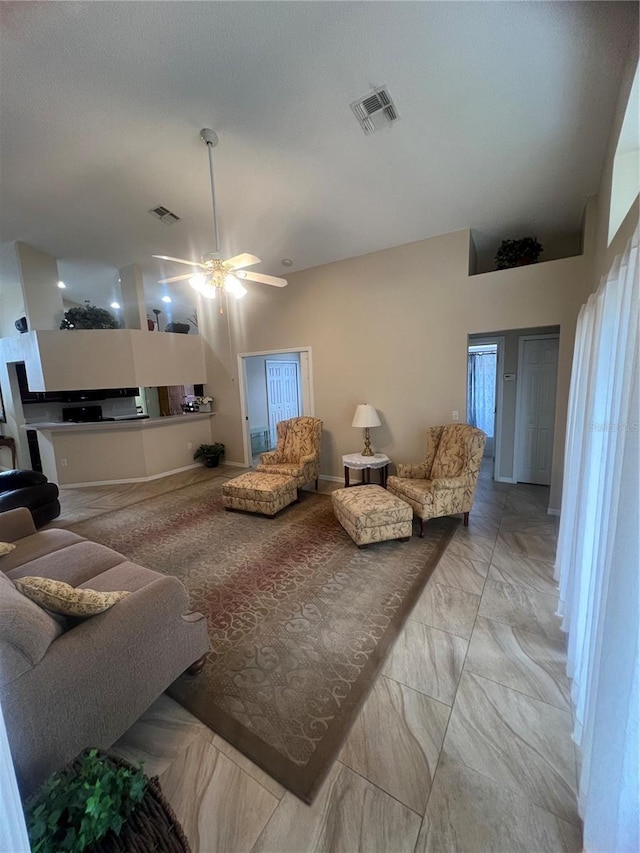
(219, 276)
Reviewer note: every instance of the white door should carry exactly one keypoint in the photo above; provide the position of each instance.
(282, 394)
(537, 408)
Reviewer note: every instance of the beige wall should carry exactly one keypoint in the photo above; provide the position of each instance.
(132, 289)
(108, 358)
(42, 297)
(391, 328)
(11, 298)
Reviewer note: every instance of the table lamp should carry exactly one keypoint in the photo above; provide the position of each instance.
(365, 417)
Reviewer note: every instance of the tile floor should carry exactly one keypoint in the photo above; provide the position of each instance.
(464, 743)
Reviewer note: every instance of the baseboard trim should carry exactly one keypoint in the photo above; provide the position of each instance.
(504, 480)
(331, 479)
(552, 511)
(130, 479)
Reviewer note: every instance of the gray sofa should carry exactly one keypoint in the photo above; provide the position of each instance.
(66, 684)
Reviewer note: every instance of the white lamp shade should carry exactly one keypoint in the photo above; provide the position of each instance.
(365, 416)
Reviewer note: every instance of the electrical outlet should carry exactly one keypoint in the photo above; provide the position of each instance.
(63, 462)
(189, 445)
(455, 416)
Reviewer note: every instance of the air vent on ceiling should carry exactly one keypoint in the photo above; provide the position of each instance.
(375, 110)
(164, 215)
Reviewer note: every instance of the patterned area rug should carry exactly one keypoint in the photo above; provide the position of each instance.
(300, 619)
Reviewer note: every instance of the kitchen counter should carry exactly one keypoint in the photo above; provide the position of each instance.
(122, 451)
(133, 423)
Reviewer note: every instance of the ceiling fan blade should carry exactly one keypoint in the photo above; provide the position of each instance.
(176, 278)
(243, 260)
(179, 260)
(263, 279)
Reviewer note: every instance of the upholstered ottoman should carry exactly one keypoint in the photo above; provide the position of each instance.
(257, 492)
(372, 514)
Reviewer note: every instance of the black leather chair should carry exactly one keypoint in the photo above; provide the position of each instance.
(32, 490)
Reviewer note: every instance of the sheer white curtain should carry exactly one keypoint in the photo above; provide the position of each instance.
(481, 389)
(597, 558)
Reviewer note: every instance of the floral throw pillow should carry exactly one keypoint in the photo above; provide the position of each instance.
(60, 597)
(6, 548)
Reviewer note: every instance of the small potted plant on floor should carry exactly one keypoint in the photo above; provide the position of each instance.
(518, 253)
(210, 454)
(103, 804)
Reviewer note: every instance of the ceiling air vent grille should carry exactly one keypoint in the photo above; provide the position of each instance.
(375, 111)
(164, 215)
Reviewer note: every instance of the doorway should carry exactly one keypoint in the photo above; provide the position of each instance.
(484, 392)
(283, 393)
(275, 386)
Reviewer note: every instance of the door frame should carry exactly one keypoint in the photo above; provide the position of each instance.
(497, 438)
(518, 438)
(307, 399)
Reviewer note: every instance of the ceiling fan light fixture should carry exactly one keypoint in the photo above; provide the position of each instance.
(233, 286)
(209, 291)
(198, 282)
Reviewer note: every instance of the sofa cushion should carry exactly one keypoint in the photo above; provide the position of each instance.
(37, 545)
(6, 548)
(451, 453)
(26, 632)
(62, 598)
(76, 564)
(125, 575)
(418, 491)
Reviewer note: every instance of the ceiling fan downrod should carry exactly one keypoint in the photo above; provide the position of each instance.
(210, 139)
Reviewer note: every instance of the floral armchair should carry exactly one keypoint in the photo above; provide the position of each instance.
(298, 451)
(445, 482)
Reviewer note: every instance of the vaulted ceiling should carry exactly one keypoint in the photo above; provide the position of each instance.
(504, 114)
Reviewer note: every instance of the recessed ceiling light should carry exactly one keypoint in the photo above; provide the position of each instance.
(61, 285)
(166, 299)
(287, 262)
(115, 305)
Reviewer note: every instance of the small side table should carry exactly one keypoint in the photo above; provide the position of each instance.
(358, 462)
(10, 443)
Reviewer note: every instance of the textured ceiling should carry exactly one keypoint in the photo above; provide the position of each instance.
(504, 107)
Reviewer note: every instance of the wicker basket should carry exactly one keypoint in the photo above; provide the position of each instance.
(151, 826)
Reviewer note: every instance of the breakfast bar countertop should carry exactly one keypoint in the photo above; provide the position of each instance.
(99, 426)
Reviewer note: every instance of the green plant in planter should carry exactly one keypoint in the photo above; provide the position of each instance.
(517, 253)
(77, 806)
(88, 317)
(210, 453)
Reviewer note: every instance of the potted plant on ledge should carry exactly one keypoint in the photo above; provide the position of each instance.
(518, 253)
(210, 454)
(87, 316)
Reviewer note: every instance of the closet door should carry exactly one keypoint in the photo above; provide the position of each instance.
(536, 409)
